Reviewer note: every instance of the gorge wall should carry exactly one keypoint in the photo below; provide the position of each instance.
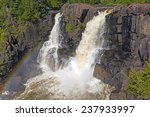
(128, 36)
(16, 47)
(127, 41)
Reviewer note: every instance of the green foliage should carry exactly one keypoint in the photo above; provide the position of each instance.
(139, 82)
(15, 13)
(129, 1)
(84, 1)
(69, 27)
(109, 2)
(29, 10)
(2, 38)
(2, 34)
(81, 26)
(54, 3)
(147, 1)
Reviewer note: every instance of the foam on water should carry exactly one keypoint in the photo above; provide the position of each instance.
(75, 80)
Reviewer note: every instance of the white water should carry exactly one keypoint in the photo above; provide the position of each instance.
(48, 58)
(74, 81)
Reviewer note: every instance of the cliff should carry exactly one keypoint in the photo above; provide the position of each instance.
(127, 41)
(16, 47)
(128, 30)
(127, 38)
(77, 15)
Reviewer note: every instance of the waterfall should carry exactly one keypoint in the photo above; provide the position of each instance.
(48, 58)
(79, 72)
(89, 44)
(75, 80)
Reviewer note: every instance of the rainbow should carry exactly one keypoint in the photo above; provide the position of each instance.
(13, 76)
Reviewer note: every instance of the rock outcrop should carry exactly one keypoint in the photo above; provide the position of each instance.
(15, 47)
(76, 16)
(127, 38)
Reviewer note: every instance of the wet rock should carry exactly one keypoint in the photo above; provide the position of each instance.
(52, 50)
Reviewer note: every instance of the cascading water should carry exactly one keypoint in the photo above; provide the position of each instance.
(75, 80)
(48, 58)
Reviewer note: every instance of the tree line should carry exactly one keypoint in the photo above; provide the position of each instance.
(17, 12)
(14, 13)
(109, 2)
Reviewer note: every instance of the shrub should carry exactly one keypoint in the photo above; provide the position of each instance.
(69, 27)
(2, 38)
(109, 2)
(54, 3)
(139, 82)
(81, 26)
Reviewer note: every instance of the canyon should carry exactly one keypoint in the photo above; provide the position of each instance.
(127, 41)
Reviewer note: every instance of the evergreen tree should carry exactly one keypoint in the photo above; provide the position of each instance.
(139, 82)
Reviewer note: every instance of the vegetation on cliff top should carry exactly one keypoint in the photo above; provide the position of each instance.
(109, 2)
(14, 14)
(139, 82)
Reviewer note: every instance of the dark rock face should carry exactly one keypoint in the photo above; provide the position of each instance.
(128, 34)
(15, 47)
(77, 15)
(127, 38)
